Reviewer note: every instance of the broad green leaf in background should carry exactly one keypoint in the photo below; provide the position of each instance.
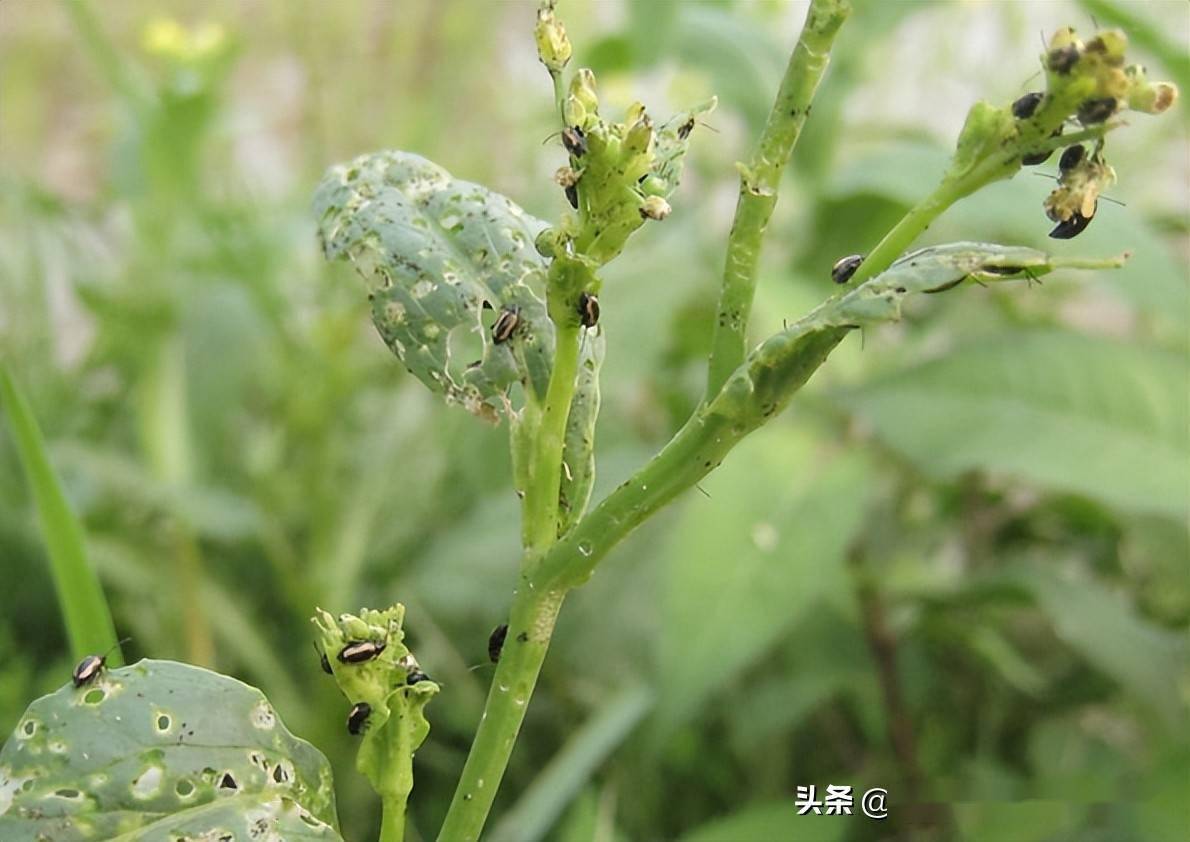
(157, 750)
(1150, 663)
(1073, 413)
(440, 256)
(746, 564)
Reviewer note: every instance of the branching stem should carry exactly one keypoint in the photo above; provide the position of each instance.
(760, 179)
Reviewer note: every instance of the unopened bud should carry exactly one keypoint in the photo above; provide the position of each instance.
(582, 88)
(1151, 97)
(639, 138)
(553, 47)
(654, 207)
(573, 111)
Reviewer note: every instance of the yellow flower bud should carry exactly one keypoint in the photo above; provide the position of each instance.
(553, 47)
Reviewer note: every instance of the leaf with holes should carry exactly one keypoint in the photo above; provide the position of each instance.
(444, 261)
(161, 750)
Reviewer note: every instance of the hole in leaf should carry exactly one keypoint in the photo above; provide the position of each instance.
(163, 722)
(29, 728)
(147, 784)
(279, 774)
(95, 696)
(68, 793)
(228, 782)
(184, 788)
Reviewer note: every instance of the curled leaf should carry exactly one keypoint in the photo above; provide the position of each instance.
(578, 454)
(443, 259)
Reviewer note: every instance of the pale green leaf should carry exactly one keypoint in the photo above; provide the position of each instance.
(745, 564)
(1066, 412)
(442, 259)
(157, 750)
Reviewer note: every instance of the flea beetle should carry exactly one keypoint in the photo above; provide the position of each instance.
(845, 267)
(506, 324)
(91, 665)
(358, 651)
(1074, 225)
(588, 310)
(496, 642)
(575, 141)
(358, 716)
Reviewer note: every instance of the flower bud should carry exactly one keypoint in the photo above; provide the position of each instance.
(574, 112)
(1146, 96)
(639, 138)
(654, 207)
(582, 88)
(553, 47)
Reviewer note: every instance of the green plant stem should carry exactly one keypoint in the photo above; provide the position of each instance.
(908, 229)
(392, 820)
(545, 460)
(950, 190)
(760, 179)
(85, 611)
(399, 772)
(775, 371)
(530, 627)
(559, 95)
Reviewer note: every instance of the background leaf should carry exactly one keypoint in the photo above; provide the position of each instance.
(1072, 413)
(765, 548)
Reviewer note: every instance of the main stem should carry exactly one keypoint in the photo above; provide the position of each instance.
(545, 461)
(760, 179)
(392, 822)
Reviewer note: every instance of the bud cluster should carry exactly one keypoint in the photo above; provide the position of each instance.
(368, 658)
(1088, 84)
(618, 174)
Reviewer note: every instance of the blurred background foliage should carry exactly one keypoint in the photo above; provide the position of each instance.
(958, 568)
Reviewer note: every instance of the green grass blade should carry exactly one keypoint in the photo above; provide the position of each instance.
(84, 608)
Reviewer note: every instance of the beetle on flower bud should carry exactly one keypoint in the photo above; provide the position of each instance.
(1073, 225)
(575, 141)
(358, 717)
(1025, 107)
(358, 651)
(1071, 158)
(1097, 110)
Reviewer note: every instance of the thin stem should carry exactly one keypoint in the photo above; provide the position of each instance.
(530, 627)
(545, 459)
(392, 820)
(559, 94)
(950, 190)
(908, 229)
(760, 179)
